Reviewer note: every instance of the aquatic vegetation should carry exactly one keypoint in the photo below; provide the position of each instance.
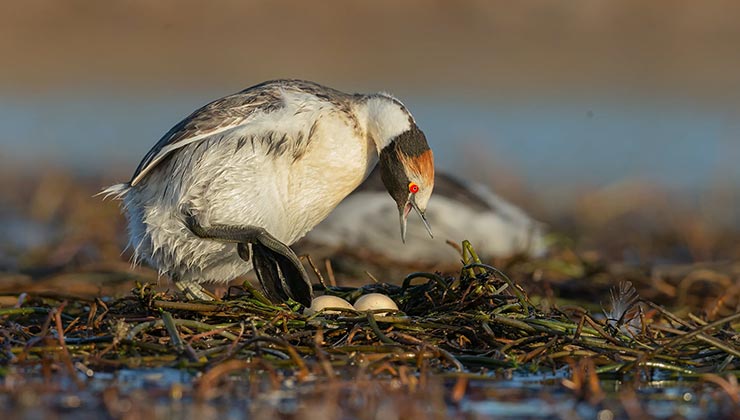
(476, 322)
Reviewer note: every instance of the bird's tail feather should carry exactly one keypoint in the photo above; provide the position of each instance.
(116, 191)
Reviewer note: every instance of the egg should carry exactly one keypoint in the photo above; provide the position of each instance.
(327, 301)
(374, 301)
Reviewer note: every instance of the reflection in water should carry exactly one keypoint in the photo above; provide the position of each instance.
(172, 393)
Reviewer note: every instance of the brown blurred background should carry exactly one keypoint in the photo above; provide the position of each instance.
(477, 47)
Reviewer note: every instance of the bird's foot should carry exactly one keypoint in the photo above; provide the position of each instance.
(278, 269)
(281, 274)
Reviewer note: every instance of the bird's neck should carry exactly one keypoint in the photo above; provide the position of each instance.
(383, 118)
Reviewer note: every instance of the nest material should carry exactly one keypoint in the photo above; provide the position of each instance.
(477, 322)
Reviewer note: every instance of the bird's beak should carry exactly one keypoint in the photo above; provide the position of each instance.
(405, 210)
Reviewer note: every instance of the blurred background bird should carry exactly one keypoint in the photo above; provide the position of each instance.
(248, 174)
(462, 210)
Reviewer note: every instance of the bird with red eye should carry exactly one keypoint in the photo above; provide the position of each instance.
(234, 184)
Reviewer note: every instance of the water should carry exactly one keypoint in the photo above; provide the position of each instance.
(594, 141)
(172, 393)
(565, 139)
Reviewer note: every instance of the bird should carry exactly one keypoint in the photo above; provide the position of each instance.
(462, 210)
(233, 185)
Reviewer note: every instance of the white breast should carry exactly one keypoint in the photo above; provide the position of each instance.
(335, 165)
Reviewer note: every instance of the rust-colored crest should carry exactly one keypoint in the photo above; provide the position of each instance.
(423, 165)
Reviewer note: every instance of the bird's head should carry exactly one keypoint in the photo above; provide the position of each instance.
(407, 170)
(406, 161)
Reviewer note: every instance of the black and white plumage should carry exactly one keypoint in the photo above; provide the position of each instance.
(462, 210)
(248, 174)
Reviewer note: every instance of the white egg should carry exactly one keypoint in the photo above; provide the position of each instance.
(374, 301)
(326, 301)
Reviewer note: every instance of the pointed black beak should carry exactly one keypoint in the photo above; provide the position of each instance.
(405, 210)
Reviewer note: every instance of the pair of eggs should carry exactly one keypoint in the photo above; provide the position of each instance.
(368, 302)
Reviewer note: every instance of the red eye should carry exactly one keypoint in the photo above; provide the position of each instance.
(413, 188)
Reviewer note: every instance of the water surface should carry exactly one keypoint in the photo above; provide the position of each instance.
(549, 140)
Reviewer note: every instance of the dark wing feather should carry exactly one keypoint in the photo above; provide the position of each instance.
(231, 112)
(217, 117)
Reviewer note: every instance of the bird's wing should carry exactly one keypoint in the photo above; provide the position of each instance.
(218, 117)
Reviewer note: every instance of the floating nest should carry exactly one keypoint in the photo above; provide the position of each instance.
(477, 323)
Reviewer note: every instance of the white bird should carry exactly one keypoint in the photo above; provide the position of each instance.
(247, 175)
(462, 210)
